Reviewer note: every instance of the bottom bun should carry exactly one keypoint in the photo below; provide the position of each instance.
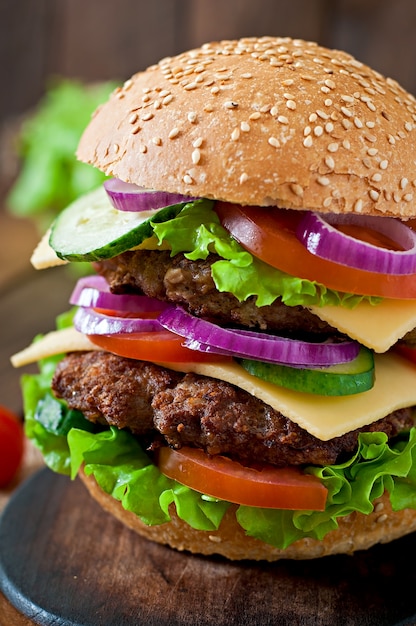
(356, 532)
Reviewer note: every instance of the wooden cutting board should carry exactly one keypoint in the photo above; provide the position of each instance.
(65, 562)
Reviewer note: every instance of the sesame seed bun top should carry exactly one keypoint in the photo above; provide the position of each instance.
(267, 121)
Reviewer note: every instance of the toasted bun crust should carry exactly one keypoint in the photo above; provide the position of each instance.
(265, 121)
(355, 532)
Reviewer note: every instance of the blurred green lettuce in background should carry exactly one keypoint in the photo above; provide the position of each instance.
(50, 176)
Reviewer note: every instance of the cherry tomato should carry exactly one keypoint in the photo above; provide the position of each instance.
(270, 235)
(11, 445)
(222, 478)
(160, 346)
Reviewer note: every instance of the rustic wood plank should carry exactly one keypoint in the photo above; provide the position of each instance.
(216, 19)
(379, 33)
(73, 565)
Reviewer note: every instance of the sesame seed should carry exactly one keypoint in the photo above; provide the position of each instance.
(408, 197)
(379, 507)
(307, 131)
(157, 104)
(291, 104)
(167, 99)
(328, 102)
(308, 142)
(173, 133)
(133, 118)
(384, 164)
(196, 156)
(143, 149)
(198, 142)
(329, 162)
(297, 189)
(329, 127)
(243, 178)
(235, 135)
(358, 206)
(374, 195)
(147, 116)
(349, 99)
(313, 117)
(230, 104)
(346, 144)
(323, 180)
(135, 130)
(381, 518)
(333, 147)
(274, 142)
(322, 114)
(358, 123)
(247, 75)
(283, 119)
(372, 151)
(403, 183)
(318, 131)
(274, 111)
(192, 117)
(376, 177)
(116, 148)
(408, 126)
(346, 111)
(346, 123)
(255, 116)
(188, 179)
(245, 127)
(157, 141)
(215, 89)
(330, 83)
(288, 82)
(327, 202)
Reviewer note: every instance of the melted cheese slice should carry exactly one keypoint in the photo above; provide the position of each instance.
(376, 326)
(324, 417)
(44, 256)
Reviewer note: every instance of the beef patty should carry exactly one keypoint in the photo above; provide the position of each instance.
(190, 284)
(193, 410)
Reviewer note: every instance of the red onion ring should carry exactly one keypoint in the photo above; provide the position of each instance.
(207, 337)
(129, 197)
(318, 235)
(91, 322)
(94, 292)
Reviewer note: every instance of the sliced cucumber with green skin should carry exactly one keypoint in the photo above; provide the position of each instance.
(336, 380)
(91, 229)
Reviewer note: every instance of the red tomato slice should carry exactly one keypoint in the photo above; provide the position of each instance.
(161, 346)
(270, 235)
(219, 477)
(11, 445)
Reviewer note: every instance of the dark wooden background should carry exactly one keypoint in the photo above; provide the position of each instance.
(111, 39)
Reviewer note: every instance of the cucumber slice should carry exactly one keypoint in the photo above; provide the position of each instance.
(336, 380)
(91, 229)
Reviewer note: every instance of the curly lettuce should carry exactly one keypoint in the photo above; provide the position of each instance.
(196, 231)
(123, 469)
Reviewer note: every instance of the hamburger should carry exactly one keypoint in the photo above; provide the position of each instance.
(235, 376)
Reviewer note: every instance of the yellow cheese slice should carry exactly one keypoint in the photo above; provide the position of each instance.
(376, 326)
(55, 342)
(44, 256)
(324, 417)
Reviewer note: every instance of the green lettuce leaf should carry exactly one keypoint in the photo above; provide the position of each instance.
(196, 231)
(124, 470)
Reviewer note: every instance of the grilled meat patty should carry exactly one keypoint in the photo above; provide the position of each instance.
(193, 410)
(190, 284)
